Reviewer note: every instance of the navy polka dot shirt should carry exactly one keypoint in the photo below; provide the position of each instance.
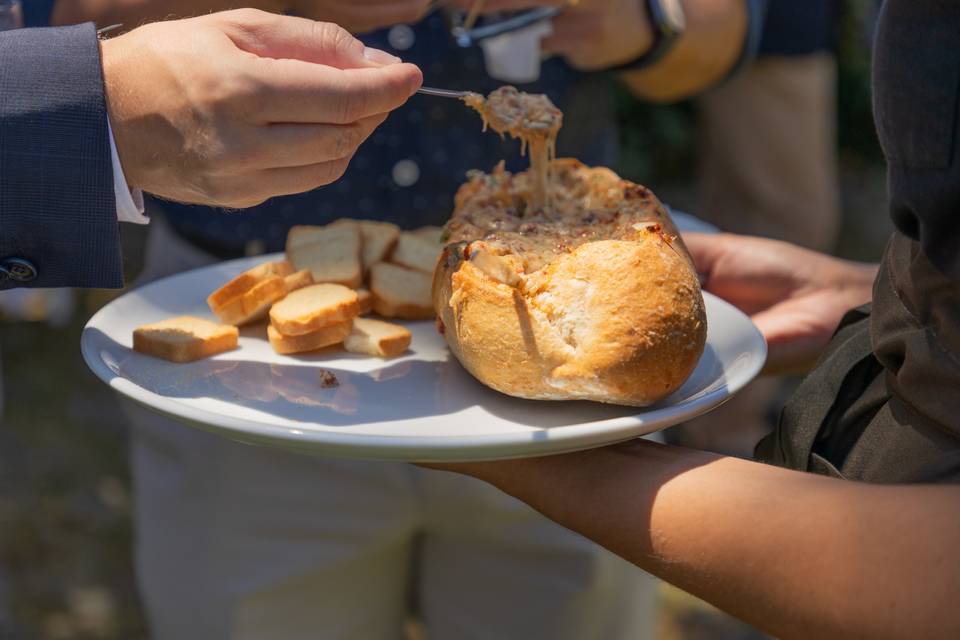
(410, 168)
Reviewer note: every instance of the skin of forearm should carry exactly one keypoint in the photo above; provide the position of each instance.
(133, 13)
(702, 56)
(794, 554)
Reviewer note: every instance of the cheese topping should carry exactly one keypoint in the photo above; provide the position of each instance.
(521, 223)
(587, 205)
(532, 119)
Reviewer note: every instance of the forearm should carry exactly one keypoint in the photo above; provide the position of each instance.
(702, 56)
(794, 554)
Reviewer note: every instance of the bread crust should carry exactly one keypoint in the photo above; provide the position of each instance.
(618, 320)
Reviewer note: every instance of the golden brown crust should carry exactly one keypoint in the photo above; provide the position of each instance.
(246, 281)
(313, 307)
(184, 339)
(254, 304)
(613, 315)
(399, 292)
(323, 337)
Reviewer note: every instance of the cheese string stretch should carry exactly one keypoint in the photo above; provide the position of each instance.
(535, 121)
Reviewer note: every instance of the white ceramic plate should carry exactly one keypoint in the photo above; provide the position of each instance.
(422, 406)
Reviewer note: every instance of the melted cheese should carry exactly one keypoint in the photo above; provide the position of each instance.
(515, 225)
(535, 121)
(587, 205)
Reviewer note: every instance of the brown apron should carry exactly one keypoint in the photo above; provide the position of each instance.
(883, 404)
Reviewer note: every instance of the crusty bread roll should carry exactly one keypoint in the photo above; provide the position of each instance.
(592, 298)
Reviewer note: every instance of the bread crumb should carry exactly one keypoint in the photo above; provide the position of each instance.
(328, 379)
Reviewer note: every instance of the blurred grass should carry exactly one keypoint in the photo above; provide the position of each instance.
(65, 532)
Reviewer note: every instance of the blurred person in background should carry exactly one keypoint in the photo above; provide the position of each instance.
(236, 541)
(768, 157)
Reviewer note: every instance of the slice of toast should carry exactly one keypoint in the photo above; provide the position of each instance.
(184, 339)
(314, 307)
(246, 281)
(399, 292)
(431, 233)
(415, 252)
(365, 298)
(379, 239)
(331, 334)
(377, 338)
(298, 280)
(331, 253)
(254, 304)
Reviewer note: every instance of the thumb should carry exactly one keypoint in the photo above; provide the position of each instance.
(287, 37)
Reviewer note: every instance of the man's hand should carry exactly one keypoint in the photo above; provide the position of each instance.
(233, 108)
(590, 34)
(795, 296)
(598, 34)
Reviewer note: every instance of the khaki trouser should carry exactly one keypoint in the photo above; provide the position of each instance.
(768, 156)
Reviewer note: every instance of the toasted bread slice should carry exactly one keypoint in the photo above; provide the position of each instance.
(377, 338)
(415, 252)
(379, 239)
(184, 339)
(331, 253)
(246, 281)
(254, 304)
(431, 233)
(314, 307)
(365, 298)
(399, 292)
(331, 334)
(298, 280)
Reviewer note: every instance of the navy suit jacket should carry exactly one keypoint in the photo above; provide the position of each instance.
(57, 203)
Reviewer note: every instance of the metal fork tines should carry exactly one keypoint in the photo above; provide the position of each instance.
(443, 93)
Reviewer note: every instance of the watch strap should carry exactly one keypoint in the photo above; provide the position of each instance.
(668, 23)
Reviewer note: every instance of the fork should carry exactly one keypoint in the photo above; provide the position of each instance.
(443, 93)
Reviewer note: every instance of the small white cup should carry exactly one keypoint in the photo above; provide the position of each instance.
(515, 56)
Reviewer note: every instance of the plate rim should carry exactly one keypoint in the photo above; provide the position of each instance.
(421, 448)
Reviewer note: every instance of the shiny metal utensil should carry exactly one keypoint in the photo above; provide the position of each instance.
(443, 93)
(104, 31)
(468, 37)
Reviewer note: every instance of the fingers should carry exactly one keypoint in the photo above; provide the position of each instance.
(790, 349)
(297, 145)
(704, 250)
(293, 91)
(269, 35)
(573, 32)
(290, 180)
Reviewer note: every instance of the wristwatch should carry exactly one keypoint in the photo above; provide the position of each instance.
(668, 22)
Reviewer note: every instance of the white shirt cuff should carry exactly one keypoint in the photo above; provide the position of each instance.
(129, 201)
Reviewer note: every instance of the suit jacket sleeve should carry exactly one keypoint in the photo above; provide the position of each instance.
(57, 204)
